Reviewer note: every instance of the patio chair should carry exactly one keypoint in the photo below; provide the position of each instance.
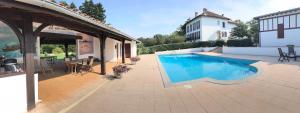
(89, 66)
(282, 56)
(68, 67)
(45, 67)
(292, 52)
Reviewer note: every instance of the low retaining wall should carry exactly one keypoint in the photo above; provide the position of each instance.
(13, 96)
(202, 49)
(261, 51)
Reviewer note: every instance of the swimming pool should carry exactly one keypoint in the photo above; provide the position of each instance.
(187, 67)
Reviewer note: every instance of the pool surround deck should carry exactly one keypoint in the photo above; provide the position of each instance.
(276, 90)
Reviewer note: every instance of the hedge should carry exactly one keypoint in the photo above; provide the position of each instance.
(176, 46)
(240, 43)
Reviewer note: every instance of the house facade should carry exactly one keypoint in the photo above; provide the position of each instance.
(280, 28)
(208, 26)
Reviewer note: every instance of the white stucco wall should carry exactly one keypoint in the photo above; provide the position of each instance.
(96, 52)
(201, 49)
(110, 49)
(133, 49)
(210, 27)
(269, 39)
(13, 96)
(261, 51)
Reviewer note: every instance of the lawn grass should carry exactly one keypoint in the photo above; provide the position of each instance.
(60, 56)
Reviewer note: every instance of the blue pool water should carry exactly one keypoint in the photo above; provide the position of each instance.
(186, 67)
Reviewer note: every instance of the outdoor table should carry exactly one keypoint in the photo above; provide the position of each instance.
(74, 63)
(50, 58)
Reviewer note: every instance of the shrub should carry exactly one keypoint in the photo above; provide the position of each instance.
(135, 59)
(57, 50)
(121, 69)
(239, 43)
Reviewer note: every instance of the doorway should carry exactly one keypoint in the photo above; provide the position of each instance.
(127, 50)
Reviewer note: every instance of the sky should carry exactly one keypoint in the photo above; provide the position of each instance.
(145, 18)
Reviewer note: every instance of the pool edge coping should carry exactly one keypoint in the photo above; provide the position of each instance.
(167, 82)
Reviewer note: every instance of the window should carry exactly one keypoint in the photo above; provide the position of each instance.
(292, 21)
(199, 24)
(261, 25)
(298, 20)
(275, 23)
(218, 22)
(11, 59)
(270, 24)
(280, 20)
(223, 23)
(187, 29)
(266, 25)
(280, 31)
(286, 22)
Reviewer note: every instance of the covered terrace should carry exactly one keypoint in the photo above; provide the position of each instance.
(20, 15)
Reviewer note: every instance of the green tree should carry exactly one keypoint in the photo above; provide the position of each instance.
(47, 48)
(159, 39)
(73, 6)
(64, 3)
(96, 11)
(54, 1)
(181, 30)
(254, 31)
(240, 31)
(57, 50)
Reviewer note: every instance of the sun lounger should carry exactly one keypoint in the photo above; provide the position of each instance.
(282, 56)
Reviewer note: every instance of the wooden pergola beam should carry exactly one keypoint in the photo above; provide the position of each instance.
(39, 29)
(102, 40)
(29, 48)
(123, 51)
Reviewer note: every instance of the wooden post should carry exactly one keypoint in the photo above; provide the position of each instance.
(29, 47)
(123, 51)
(102, 54)
(66, 50)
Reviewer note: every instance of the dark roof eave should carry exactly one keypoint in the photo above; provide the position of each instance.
(66, 12)
(225, 18)
(276, 13)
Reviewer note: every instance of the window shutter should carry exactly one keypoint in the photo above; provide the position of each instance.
(280, 31)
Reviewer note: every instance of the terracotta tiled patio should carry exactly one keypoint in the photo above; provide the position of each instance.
(59, 89)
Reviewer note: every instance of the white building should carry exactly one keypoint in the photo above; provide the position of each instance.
(208, 26)
(280, 28)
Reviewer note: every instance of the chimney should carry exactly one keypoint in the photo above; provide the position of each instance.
(189, 19)
(204, 10)
(196, 14)
(222, 14)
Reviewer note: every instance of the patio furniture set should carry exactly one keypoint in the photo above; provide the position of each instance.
(74, 65)
(286, 56)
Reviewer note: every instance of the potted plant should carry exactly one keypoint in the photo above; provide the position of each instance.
(120, 70)
(134, 60)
